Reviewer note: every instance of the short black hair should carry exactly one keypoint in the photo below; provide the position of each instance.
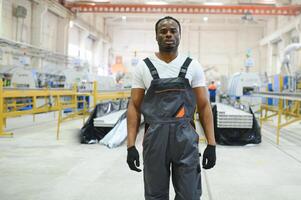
(167, 17)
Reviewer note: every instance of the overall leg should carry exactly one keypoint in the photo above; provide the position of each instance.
(186, 175)
(156, 164)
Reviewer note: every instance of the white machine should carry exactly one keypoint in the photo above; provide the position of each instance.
(106, 83)
(20, 77)
(286, 57)
(241, 86)
(71, 77)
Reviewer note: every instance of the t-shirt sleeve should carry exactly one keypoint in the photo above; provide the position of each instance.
(198, 76)
(137, 76)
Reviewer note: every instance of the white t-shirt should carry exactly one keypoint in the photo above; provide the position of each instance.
(142, 77)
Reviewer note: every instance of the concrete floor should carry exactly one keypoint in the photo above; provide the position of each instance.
(34, 165)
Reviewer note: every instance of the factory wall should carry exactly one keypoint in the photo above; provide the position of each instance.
(223, 49)
(50, 31)
(279, 33)
(94, 20)
(47, 26)
(220, 48)
(87, 40)
(44, 26)
(12, 27)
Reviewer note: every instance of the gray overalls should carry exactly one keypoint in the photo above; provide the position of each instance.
(170, 140)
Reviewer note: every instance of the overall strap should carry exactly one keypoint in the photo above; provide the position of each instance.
(151, 68)
(184, 67)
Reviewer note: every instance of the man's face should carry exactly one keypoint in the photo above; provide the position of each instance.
(168, 35)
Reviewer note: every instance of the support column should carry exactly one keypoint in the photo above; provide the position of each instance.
(38, 13)
(298, 61)
(97, 56)
(1, 24)
(106, 55)
(62, 39)
(82, 43)
(269, 58)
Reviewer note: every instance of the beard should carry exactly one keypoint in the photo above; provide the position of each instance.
(168, 48)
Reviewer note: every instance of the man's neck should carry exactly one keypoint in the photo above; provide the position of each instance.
(167, 56)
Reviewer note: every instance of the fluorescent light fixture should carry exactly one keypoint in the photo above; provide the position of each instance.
(71, 24)
(156, 2)
(269, 1)
(205, 19)
(213, 3)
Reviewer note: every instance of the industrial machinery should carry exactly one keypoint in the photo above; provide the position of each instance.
(287, 61)
(71, 77)
(240, 88)
(18, 77)
(50, 80)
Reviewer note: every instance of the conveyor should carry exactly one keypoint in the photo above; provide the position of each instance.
(279, 95)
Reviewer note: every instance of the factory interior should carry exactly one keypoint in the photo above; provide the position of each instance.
(66, 76)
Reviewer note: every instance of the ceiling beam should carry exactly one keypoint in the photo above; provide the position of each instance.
(292, 10)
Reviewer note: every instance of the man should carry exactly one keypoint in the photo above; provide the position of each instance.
(212, 91)
(174, 85)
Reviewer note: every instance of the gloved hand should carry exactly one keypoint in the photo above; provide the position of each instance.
(133, 159)
(209, 157)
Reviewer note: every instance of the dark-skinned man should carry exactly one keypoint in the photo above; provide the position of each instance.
(174, 86)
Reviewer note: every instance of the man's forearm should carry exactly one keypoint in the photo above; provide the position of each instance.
(133, 123)
(206, 119)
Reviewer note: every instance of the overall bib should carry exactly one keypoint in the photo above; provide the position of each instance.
(170, 143)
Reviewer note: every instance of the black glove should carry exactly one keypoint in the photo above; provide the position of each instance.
(209, 157)
(133, 159)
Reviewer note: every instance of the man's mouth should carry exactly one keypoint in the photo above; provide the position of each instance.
(169, 41)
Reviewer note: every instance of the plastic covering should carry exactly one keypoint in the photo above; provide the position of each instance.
(117, 135)
(237, 136)
(90, 134)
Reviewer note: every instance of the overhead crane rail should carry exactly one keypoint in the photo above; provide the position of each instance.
(292, 10)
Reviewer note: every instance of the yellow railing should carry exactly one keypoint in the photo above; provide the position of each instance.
(108, 95)
(12, 100)
(291, 113)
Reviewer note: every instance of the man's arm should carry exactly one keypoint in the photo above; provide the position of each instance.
(133, 123)
(134, 115)
(205, 113)
(206, 119)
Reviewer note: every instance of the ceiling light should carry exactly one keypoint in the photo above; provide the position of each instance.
(269, 1)
(205, 19)
(156, 2)
(71, 23)
(123, 17)
(213, 3)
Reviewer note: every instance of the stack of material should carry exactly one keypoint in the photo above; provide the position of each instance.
(108, 120)
(229, 117)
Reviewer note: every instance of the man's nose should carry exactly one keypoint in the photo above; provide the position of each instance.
(168, 34)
